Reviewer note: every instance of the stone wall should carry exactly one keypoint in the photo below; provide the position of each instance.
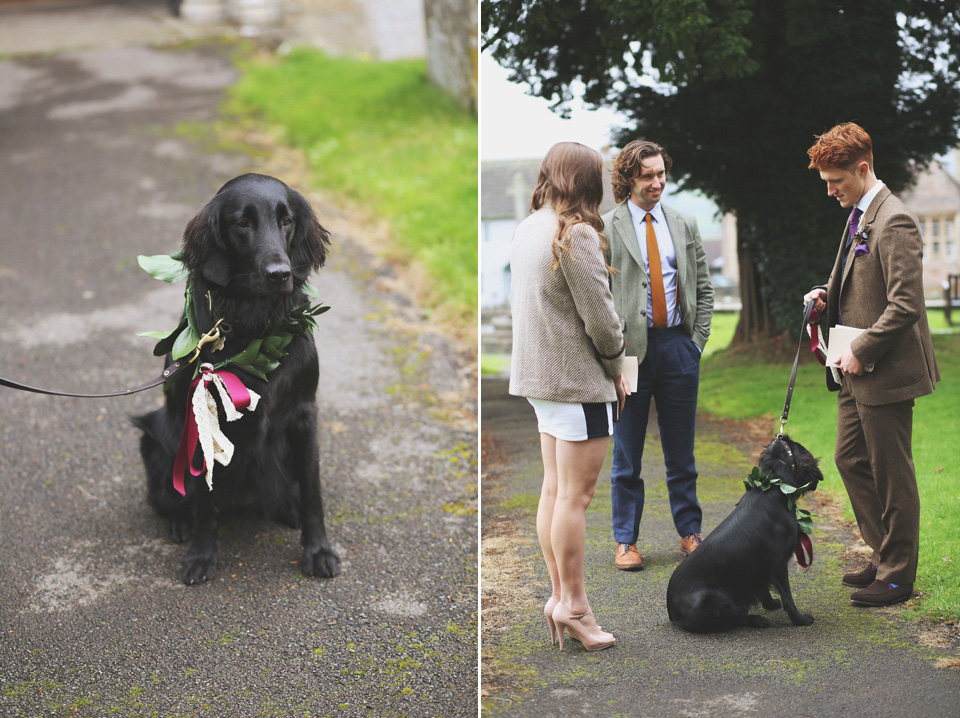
(452, 49)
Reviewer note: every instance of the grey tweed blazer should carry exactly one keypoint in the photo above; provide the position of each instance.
(567, 343)
(694, 290)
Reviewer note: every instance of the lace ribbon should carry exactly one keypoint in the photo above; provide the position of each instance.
(202, 423)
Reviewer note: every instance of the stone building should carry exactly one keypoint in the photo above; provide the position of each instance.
(935, 198)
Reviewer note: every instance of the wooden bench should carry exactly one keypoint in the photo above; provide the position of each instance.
(951, 298)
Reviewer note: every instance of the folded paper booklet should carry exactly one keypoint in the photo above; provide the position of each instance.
(631, 368)
(840, 340)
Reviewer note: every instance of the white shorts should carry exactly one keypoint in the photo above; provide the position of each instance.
(573, 422)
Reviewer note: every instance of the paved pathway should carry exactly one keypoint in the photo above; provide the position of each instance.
(105, 153)
(850, 662)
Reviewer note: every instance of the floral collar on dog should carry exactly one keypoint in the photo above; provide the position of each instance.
(260, 357)
(759, 480)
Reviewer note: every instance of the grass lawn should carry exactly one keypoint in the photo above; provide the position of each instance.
(739, 387)
(381, 136)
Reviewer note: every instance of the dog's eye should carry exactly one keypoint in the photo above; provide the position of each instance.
(286, 221)
(243, 222)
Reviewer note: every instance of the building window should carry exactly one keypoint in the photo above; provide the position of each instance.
(935, 228)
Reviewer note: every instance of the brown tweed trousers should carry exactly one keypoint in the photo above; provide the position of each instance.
(882, 291)
(567, 343)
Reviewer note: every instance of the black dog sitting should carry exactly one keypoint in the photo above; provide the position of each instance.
(249, 254)
(733, 569)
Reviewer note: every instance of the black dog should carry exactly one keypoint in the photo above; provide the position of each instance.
(249, 253)
(716, 585)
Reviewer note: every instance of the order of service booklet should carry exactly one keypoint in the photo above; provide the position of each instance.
(840, 340)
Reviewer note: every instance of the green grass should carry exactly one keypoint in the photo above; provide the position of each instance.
(380, 135)
(494, 363)
(722, 327)
(743, 387)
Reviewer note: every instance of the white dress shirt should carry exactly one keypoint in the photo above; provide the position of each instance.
(668, 259)
(865, 201)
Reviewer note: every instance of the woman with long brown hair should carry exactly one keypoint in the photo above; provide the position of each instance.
(567, 359)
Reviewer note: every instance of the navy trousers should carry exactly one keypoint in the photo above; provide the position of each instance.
(670, 375)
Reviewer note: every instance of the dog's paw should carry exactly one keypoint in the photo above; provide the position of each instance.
(756, 622)
(802, 619)
(770, 603)
(320, 561)
(198, 567)
(180, 529)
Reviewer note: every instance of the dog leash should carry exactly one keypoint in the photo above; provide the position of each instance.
(170, 371)
(807, 314)
(804, 547)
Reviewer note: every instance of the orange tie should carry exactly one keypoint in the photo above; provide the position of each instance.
(656, 276)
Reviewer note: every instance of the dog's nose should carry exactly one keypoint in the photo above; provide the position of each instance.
(278, 272)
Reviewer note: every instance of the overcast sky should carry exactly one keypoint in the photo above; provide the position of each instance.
(514, 125)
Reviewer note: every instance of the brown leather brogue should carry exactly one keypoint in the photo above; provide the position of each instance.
(861, 579)
(628, 558)
(689, 543)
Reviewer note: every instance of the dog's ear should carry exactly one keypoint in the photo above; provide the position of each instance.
(310, 240)
(204, 251)
(808, 466)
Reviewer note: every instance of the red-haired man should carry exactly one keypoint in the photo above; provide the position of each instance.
(876, 285)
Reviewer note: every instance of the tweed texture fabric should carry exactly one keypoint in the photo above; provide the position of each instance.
(694, 288)
(567, 343)
(881, 290)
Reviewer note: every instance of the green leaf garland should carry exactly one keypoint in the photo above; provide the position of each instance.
(261, 356)
(166, 267)
(759, 480)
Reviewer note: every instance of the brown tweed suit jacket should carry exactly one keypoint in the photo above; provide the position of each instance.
(882, 292)
(567, 343)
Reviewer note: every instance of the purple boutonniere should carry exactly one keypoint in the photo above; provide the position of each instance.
(861, 247)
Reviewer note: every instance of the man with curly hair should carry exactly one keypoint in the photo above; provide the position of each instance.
(876, 285)
(663, 295)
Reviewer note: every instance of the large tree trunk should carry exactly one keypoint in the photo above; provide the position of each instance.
(755, 323)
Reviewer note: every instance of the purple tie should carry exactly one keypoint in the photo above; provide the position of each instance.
(854, 221)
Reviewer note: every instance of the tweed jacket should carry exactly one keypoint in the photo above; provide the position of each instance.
(882, 291)
(694, 288)
(567, 343)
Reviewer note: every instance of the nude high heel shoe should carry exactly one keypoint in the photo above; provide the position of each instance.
(592, 638)
(548, 614)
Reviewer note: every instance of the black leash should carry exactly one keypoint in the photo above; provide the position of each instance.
(168, 373)
(807, 313)
(172, 369)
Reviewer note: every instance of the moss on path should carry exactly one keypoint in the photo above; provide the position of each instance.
(850, 662)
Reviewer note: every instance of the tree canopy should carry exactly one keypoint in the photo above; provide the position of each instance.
(736, 91)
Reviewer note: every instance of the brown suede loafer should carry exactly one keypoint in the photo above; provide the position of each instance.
(627, 557)
(880, 593)
(689, 543)
(861, 579)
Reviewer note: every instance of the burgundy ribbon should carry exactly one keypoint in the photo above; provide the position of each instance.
(803, 550)
(815, 339)
(186, 454)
